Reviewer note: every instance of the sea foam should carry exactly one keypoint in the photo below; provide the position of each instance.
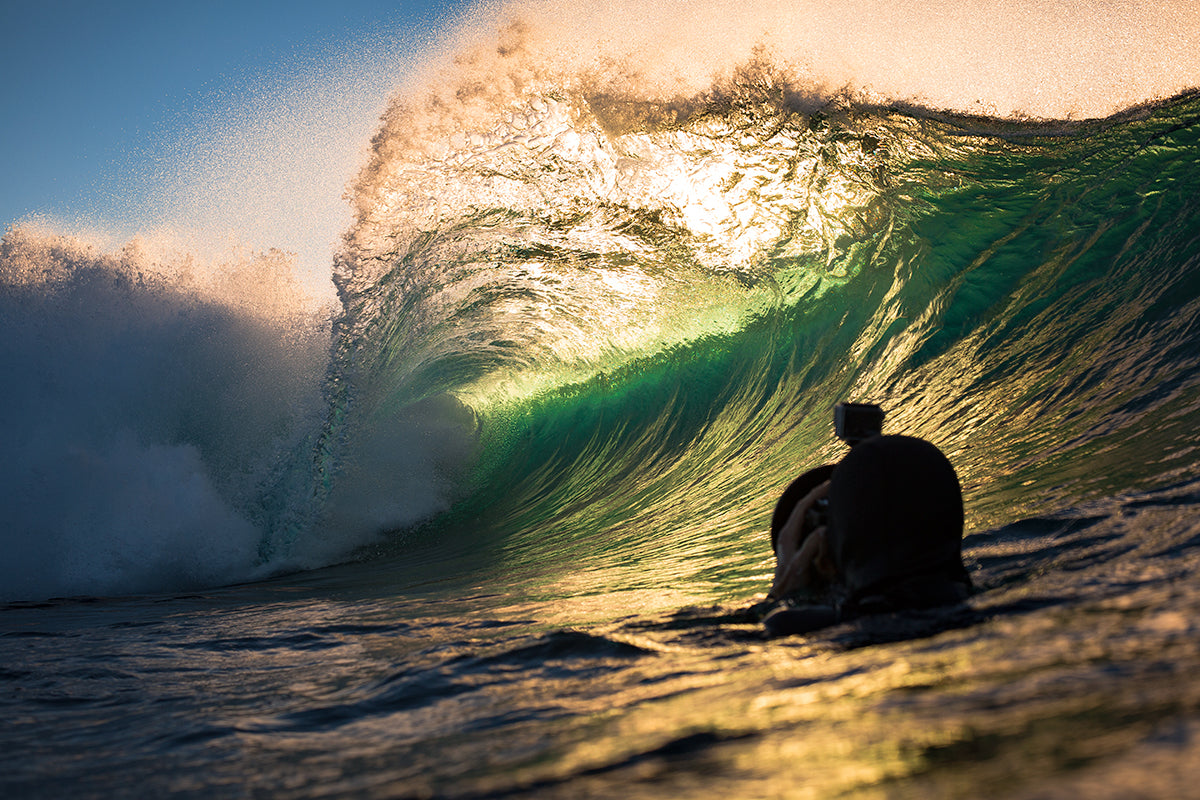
(148, 398)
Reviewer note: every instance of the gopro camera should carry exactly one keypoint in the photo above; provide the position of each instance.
(857, 422)
(853, 423)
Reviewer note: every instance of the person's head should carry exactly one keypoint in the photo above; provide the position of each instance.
(895, 511)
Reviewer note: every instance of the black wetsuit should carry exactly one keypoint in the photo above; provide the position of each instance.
(895, 521)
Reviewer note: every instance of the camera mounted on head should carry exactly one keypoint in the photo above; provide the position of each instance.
(853, 423)
(857, 422)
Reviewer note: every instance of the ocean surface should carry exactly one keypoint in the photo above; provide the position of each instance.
(489, 527)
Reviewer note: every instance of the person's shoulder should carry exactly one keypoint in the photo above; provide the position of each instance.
(792, 495)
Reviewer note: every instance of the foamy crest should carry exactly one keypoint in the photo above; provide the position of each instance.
(655, 65)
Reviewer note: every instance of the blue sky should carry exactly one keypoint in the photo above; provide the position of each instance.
(107, 104)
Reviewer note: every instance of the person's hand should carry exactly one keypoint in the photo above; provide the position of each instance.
(798, 557)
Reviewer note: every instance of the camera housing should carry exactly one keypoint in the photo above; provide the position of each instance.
(853, 423)
(857, 422)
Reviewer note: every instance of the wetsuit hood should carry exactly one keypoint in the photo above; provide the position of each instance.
(895, 510)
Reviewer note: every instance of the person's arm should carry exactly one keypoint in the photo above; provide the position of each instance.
(796, 560)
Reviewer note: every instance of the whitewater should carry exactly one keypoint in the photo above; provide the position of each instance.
(489, 524)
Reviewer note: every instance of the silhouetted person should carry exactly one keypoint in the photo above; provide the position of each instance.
(892, 538)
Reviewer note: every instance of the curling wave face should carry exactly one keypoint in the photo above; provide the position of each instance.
(651, 302)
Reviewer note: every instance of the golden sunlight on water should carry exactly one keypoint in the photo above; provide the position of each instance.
(1015, 701)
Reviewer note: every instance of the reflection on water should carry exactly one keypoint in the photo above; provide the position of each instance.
(1072, 668)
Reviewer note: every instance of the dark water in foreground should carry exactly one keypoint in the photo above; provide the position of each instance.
(1071, 674)
(568, 392)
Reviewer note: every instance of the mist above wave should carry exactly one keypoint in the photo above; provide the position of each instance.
(1039, 58)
